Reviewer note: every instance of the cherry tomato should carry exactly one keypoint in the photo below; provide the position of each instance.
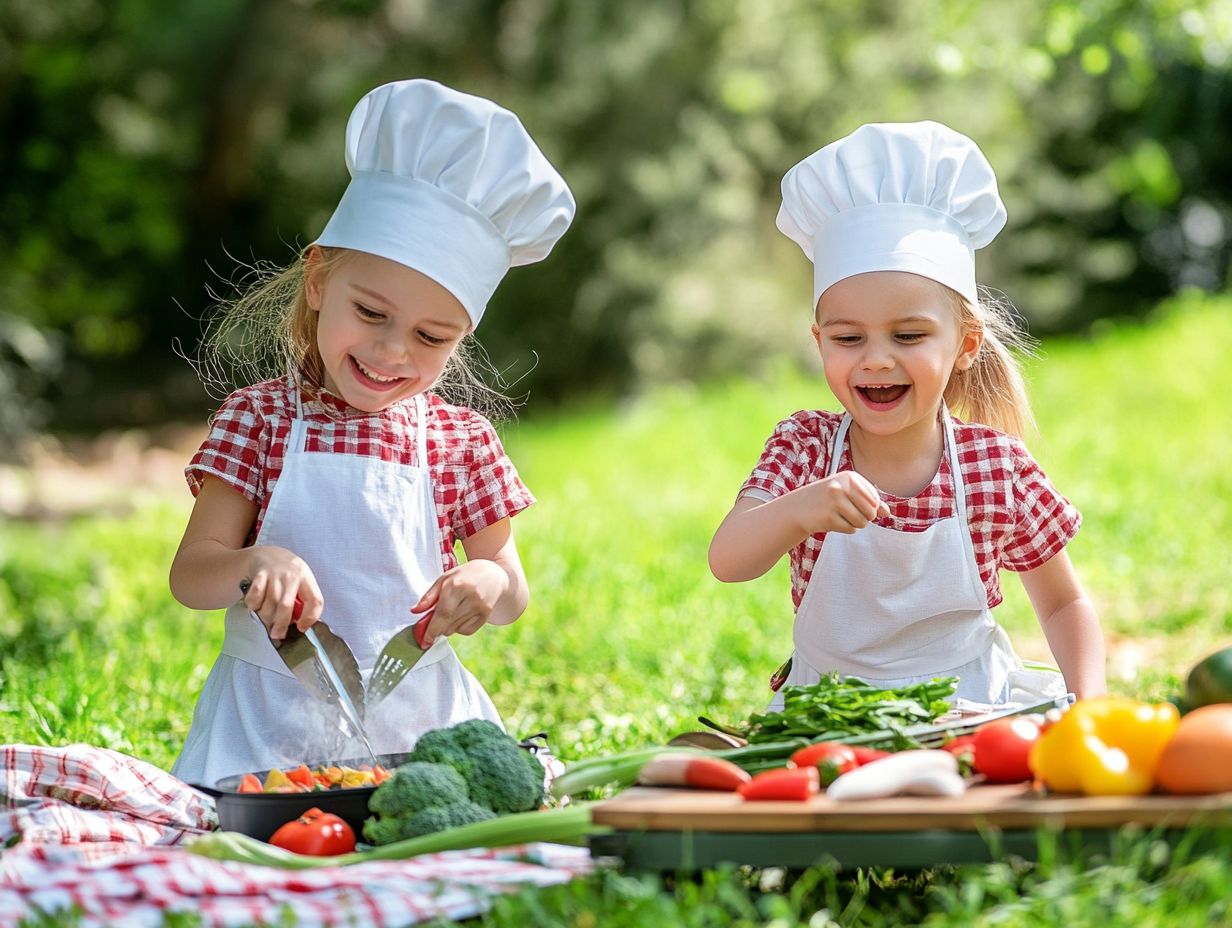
(786, 783)
(320, 834)
(1001, 749)
(830, 758)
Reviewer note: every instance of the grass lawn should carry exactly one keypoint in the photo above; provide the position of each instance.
(628, 638)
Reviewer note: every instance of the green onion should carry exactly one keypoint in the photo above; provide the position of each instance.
(567, 825)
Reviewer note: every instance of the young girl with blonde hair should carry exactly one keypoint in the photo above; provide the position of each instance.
(898, 516)
(345, 481)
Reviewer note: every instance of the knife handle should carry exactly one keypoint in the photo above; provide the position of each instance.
(296, 611)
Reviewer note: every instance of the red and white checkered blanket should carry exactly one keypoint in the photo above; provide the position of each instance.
(96, 830)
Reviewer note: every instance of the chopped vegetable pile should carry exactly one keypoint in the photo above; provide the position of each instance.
(303, 779)
(455, 776)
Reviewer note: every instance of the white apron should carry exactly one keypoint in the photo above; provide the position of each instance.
(896, 608)
(368, 529)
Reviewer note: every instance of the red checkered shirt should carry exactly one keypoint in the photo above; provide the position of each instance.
(1017, 518)
(476, 484)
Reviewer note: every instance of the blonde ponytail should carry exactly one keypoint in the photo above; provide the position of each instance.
(992, 391)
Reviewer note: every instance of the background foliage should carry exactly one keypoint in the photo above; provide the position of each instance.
(145, 149)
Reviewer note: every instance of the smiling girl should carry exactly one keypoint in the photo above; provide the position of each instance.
(344, 482)
(898, 516)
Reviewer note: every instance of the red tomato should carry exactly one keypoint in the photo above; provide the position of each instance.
(320, 834)
(1001, 748)
(786, 783)
(830, 758)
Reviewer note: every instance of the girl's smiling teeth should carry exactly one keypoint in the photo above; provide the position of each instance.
(372, 378)
(883, 395)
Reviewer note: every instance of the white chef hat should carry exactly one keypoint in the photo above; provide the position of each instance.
(915, 197)
(448, 184)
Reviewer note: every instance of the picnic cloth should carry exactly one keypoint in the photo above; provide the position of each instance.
(98, 832)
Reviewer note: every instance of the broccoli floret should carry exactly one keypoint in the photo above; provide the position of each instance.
(503, 780)
(438, 818)
(499, 774)
(417, 786)
(440, 746)
(400, 804)
(385, 830)
(388, 829)
(474, 732)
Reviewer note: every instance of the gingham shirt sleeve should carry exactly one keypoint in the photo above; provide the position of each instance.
(783, 465)
(1044, 521)
(493, 490)
(234, 450)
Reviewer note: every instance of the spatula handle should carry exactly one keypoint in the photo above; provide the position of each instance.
(421, 629)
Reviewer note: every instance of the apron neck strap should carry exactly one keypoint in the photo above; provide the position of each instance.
(299, 428)
(950, 448)
(421, 427)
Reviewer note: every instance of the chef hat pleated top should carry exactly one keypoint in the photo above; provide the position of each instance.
(915, 197)
(448, 184)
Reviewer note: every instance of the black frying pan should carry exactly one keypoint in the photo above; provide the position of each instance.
(261, 814)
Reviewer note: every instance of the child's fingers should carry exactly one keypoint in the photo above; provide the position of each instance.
(429, 598)
(848, 518)
(254, 596)
(313, 605)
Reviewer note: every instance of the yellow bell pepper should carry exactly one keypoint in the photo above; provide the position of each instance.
(1106, 746)
(276, 781)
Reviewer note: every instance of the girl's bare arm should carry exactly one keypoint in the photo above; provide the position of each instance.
(1070, 624)
(212, 560)
(488, 589)
(755, 534)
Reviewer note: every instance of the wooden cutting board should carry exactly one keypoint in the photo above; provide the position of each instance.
(651, 809)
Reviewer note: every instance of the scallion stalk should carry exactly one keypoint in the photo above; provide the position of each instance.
(566, 825)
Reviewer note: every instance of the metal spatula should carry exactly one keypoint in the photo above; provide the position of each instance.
(395, 661)
(326, 666)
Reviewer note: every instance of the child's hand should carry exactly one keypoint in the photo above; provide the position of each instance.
(278, 577)
(463, 599)
(844, 502)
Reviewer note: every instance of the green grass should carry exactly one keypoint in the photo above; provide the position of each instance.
(628, 638)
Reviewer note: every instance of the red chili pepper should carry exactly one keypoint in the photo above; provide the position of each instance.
(693, 772)
(320, 834)
(714, 773)
(380, 775)
(301, 776)
(788, 783)
(250, 784)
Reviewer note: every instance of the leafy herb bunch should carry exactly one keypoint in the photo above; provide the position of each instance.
(835, 708)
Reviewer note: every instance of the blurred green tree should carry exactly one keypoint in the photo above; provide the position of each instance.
(148, 152)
